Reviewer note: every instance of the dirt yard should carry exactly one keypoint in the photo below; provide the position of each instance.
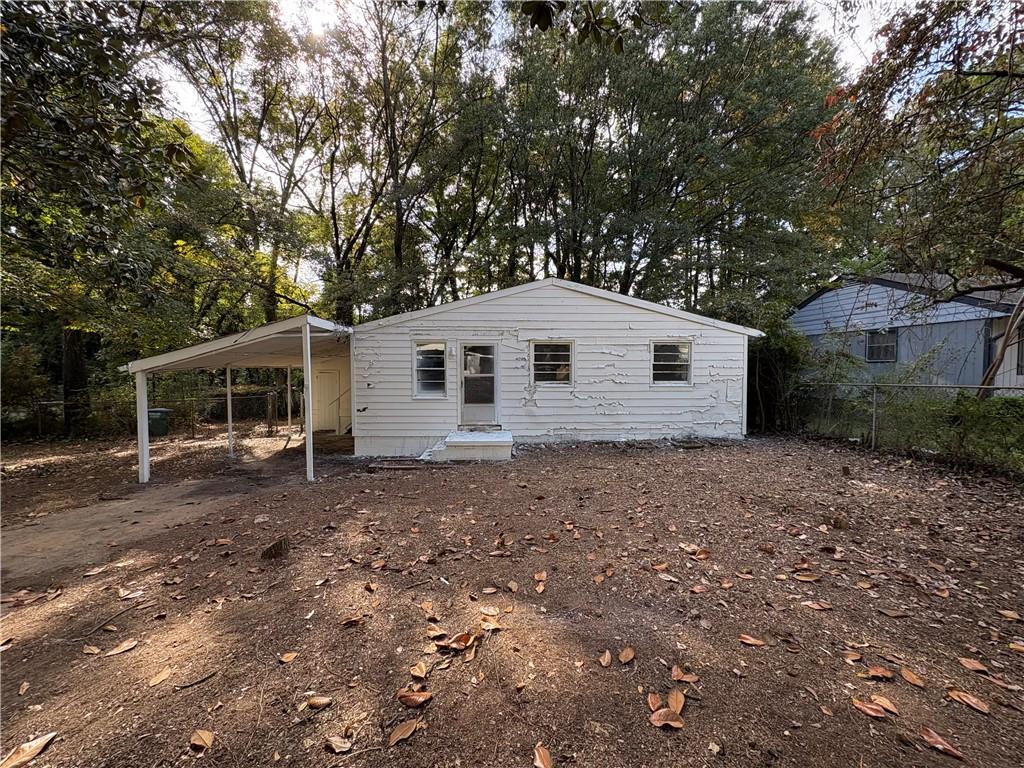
(550, 600)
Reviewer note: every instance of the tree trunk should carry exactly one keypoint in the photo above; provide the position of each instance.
(270, 286)
(75, 380)
(344, 309)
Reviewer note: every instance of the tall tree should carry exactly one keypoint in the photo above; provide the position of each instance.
(252, 82)
(931, 140)
(80, 158)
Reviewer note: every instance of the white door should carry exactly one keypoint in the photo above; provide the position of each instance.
(479, 386)
(325, 400)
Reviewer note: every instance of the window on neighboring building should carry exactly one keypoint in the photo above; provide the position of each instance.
(552, 362)
(670, 362)
(880, 347)
(430, 369)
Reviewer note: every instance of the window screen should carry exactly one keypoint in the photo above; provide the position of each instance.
(430, 370)
(670, 363)
(552, 362)
(880, 347)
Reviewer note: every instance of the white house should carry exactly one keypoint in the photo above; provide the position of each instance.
(546, 361)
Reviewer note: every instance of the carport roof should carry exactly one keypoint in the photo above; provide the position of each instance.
(274, 345)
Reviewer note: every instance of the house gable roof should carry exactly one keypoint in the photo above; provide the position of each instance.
(998, 301)
(650, 306)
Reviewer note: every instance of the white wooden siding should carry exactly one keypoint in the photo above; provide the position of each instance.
(612, 396)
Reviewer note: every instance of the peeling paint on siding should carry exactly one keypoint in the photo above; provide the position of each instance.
(612, 396)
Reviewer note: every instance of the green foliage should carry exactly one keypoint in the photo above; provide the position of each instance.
(20, 381)
(929, 139)
(942, 424)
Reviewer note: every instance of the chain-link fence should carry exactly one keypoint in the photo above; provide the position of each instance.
(199, 416)
(946, 422)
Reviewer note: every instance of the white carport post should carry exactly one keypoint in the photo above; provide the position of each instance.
(307, 396)
(142, 424)
(231, 430)
(288, 386)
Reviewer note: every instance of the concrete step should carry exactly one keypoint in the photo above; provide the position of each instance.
(461, 445)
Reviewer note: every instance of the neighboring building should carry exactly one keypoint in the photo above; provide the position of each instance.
(895, 324)
(546, 361)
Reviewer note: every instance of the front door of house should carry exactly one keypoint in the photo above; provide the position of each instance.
(479, 386)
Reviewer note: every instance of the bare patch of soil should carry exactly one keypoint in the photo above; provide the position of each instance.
(845, 568)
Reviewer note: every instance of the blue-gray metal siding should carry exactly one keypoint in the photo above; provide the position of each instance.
(861, 307)
(940, 353)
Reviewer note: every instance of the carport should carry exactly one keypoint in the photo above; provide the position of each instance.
(293, 343)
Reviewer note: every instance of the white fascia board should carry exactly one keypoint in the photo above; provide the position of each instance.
(279, 328)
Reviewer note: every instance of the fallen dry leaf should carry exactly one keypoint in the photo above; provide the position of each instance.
(288, 658)
(818, 605)
(541, 757)
(90, 650)
(403, 731)
(418, 670)
(751, 640)
(27, 752)
(676, 701)
(127, 645)
(871, 710)
(973, 665)
(626, 655)
(884, 703)
(540, 575)
(605, 659)
(539, 588)
(159, 677)
(23, 688)
(201, 740)
(319, 702)
(683, 677)
(911, 677)
(513, 587)
(338, 745)
(878, 672)
(654, 701)
(971, 701)
(412, 698)
(937, 742)
(666, 718)
(1010, 615)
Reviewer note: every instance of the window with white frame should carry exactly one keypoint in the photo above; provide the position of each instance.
(552, 362)
(430, 369)
(880, 346)
(670, 362)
